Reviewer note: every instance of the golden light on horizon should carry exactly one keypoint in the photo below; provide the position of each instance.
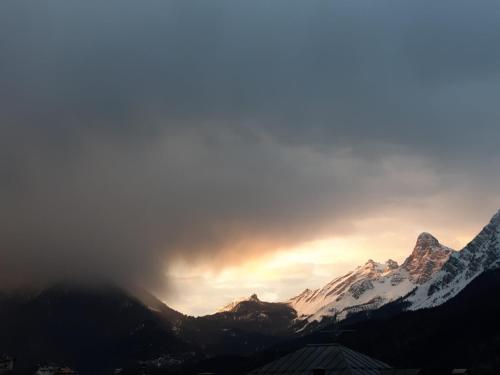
(274, 277)
(280, 273)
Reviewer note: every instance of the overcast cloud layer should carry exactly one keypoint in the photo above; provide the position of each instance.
(133, 133)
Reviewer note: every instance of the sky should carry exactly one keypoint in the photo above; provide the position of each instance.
(209, 150)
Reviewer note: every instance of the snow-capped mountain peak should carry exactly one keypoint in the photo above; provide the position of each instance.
(373, 284)
(429, 276)
(372, 267)
(482, 253)
(427, 258)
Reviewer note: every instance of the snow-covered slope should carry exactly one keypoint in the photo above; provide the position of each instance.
(374, 284)
(481, 254)
(430, 276)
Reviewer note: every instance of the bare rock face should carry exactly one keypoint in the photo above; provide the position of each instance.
(358, 288)
(373, 282)
(391, 265)
(479, 255)
(427, 258)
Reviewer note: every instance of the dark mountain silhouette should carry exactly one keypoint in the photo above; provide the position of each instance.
(96, 329)
(93, 329)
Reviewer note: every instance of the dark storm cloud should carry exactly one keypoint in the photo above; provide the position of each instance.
(134, 132)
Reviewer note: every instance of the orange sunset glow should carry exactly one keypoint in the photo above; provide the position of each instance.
(281, 273)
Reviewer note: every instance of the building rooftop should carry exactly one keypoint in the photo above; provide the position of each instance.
(328, 359)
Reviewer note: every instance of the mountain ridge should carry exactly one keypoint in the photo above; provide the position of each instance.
(374, 284)
(368, 286)
(422, 280)
(481, 254)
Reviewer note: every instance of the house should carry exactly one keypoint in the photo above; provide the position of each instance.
(329, 359)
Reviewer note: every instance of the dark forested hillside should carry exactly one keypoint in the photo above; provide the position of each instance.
(464, 332)
(91, 329)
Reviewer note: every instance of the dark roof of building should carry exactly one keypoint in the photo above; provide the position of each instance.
(334, 359)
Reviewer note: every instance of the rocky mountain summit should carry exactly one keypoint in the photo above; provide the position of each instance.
(429, 276)
(427, 258)
(368, 287)
(479, 255)
(374, 284)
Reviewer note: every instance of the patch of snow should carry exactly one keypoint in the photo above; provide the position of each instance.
(373, 284)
